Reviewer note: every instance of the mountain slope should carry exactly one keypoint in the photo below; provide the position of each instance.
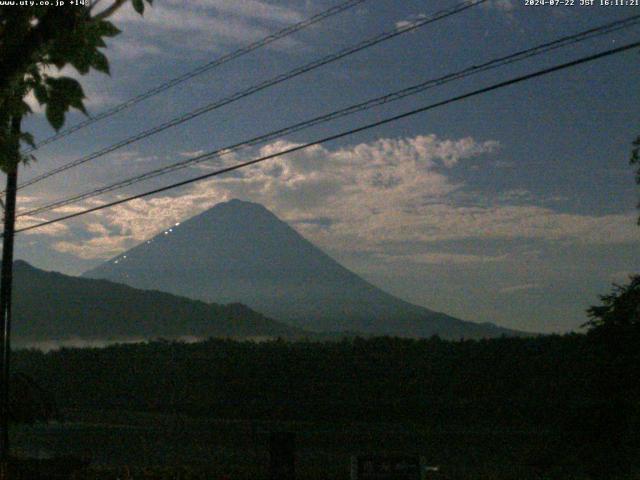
(52, 306)
(240, 252)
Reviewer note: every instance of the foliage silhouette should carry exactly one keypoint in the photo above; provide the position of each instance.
(555, 386)
(33, 40)
(620, 310)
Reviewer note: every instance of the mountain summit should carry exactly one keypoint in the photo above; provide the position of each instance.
(241, 252)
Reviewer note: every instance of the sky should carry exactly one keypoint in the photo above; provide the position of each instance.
(515, 207)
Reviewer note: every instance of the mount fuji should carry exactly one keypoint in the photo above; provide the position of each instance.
(239, 251)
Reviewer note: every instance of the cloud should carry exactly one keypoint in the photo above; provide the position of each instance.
(52, 230)
(502, 5)
(191, 154)
(99, 247)
(442, 222)
(119, 228)
(248, 9)
(367, 176)
(128, 157)
(23, 199)
(440, 258)
(507, 9)
(409, 21)
(202, 25)
(129, 50)
(520, 288)
(364, 198)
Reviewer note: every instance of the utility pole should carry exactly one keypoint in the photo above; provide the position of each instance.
(6, 278)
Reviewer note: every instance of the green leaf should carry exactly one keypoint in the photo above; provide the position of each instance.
(64, 92)
(138, 6)
(79, 105)
(55, 114)
(106, 29)
(41, 94)
(65, 87)
(82, 65)
(100, 62)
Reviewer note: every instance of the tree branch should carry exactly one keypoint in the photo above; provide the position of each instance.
(107, 12)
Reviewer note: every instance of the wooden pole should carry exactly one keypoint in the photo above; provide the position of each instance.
(6, 279)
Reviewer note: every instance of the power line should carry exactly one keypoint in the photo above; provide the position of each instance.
(391, 97)
(337, 136)
(261, 86)
(285, 32)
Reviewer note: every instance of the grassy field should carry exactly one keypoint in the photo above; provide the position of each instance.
(153, 446)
